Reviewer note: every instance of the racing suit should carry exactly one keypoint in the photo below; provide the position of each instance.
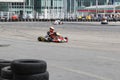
(50, 36)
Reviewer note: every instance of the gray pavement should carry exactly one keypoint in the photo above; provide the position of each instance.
(97, 23)
(92, 52)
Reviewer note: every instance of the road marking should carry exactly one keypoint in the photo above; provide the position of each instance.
(83, 73)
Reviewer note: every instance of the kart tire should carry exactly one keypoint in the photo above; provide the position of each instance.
(6, 73)
(28, 66)
(41, 76)
(66, 39)
(104, 22)
(4, 63)
(41, 38)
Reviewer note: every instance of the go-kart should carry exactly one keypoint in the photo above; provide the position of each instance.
(104, 21)
(56, 40)
(56, 22)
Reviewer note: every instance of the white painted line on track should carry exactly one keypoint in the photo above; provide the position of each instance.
(82, 73)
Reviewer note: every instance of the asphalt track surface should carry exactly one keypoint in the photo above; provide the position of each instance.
(92, 52)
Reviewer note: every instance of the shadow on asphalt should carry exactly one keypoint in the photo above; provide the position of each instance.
(4, 45)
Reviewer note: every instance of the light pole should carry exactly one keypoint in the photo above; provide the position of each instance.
(114, 7)
(45, 13)
(107, 1)
(24, 7)
(96, 7)
(70, 8)
(82, 6)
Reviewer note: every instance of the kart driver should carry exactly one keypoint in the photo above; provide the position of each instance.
(51, 34)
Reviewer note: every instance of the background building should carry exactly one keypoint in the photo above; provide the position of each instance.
(53, 9)
(49, 8)
(11, 7)
(17, 5)
(98, 6)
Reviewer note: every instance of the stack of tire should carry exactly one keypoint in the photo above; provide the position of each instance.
(5, 72)
(23, 69)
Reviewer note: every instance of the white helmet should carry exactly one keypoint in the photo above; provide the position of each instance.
(52, 27)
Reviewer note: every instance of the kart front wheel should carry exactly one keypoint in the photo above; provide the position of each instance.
(66, 38)
(41, 38)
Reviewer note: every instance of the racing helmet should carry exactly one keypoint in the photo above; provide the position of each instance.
(52, 28)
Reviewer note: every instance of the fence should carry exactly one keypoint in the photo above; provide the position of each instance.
(11, 16)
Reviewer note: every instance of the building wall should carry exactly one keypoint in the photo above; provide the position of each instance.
(82, 4)
(50, 8)
(27, 6)
(11, 0)
(46, 8)
(87, 3)
(3, 6)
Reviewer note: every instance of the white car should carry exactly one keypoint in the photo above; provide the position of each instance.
(57, 22)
